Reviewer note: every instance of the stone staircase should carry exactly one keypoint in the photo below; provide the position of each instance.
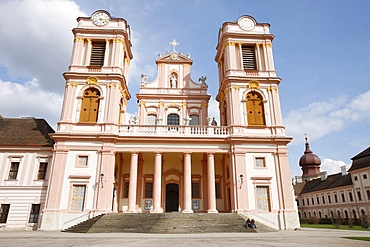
(164, 223)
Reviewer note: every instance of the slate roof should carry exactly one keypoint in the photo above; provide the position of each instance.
(361, 160)
(25, 132)
(332, 181)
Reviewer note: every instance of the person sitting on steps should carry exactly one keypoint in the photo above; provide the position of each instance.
(253, 225)
(248, 223)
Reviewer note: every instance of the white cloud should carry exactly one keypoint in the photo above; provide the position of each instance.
(333, 166)
(321, 118)
(38, 39)
(29, 100)
(214, 110)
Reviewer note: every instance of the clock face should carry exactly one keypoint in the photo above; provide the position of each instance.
(246, 24)
(100, 19)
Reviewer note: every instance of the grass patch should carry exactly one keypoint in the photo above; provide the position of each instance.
(359, 238)
(330, 226)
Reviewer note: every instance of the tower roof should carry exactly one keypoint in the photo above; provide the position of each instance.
(309, 158)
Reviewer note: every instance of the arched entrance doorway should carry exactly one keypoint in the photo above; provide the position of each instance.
(172, 197)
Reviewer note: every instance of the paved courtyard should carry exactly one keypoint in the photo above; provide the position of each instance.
(302, 237)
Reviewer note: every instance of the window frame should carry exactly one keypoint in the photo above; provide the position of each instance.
(82, 157)
(78, 197)
(249, 57)
(14, 170)
(4, 215)
(97, 53)
(34, 213)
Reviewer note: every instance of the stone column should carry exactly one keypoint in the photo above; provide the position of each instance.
(211, 183)
(187, 183)
(133, 184)
(157, 186)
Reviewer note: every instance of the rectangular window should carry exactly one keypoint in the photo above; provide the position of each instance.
(218, 190)
(249, 58)
(313, 201)
(263, 199)
(195, 190)
(329, 198)
(364, 176)
(13, 172)
(318, 200)
(308, 202)
(343, 197)
(260, 162)
(41, 174)
(355, 177)
(78, 198)
(4, 211)
(368, 194)
(194, 120)
(148, 189)
(152, 119)
(323, 199)
(34, 214)
(82, 161)
(335, 198)
(125, 189)
(350, 196)
(359, 195)
(302, 202)
(97, 53)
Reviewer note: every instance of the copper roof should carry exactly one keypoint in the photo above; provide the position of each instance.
(25, 132)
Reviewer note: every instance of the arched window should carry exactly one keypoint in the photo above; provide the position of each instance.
(255, 112)
(320, 214)
(90, 105)
(173, 119)
(354, 214)
(194, 120)
(346, 214)
(152, 119)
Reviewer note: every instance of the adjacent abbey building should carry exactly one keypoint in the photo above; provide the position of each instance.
(171, 156)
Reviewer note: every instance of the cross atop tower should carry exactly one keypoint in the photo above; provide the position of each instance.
(174, 43)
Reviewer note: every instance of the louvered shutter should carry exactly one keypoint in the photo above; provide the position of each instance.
(97, 54)
(249, 58)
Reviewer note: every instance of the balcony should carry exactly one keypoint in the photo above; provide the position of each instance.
(175, 131)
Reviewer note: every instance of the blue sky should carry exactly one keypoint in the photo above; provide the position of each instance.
(321, 51)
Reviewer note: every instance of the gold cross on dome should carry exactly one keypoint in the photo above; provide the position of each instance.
(174, 43)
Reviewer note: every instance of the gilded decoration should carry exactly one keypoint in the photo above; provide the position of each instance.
(89, 40)
(269, 45)
(235, 88)
(107, 41)
(204, 105)
(185, 104)
(229, 44)
(119, 41)
(254, 84)
(92, 80)
(123, 93)
(72, 84)
(79, 39)
(273, 89)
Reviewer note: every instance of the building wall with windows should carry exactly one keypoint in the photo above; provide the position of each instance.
(25, 158)
(343, 195)
(171, 156)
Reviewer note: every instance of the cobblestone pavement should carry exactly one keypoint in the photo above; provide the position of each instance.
(302, 237)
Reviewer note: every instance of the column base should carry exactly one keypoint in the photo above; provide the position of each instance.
(212, 211)
(131, 211)
(187, 211)
(158, 211)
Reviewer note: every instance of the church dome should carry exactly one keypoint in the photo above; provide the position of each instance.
(309, 158)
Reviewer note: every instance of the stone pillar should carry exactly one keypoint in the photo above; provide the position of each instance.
(187, 183)
(157, 186)
(133, 184)
(211, 183)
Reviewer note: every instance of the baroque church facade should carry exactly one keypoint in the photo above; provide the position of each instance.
(171, 156)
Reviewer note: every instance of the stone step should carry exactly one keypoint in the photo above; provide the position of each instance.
(163, 223)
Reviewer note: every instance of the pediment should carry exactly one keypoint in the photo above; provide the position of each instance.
(174, 57)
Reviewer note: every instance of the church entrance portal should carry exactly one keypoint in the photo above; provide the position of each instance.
(172, 197)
